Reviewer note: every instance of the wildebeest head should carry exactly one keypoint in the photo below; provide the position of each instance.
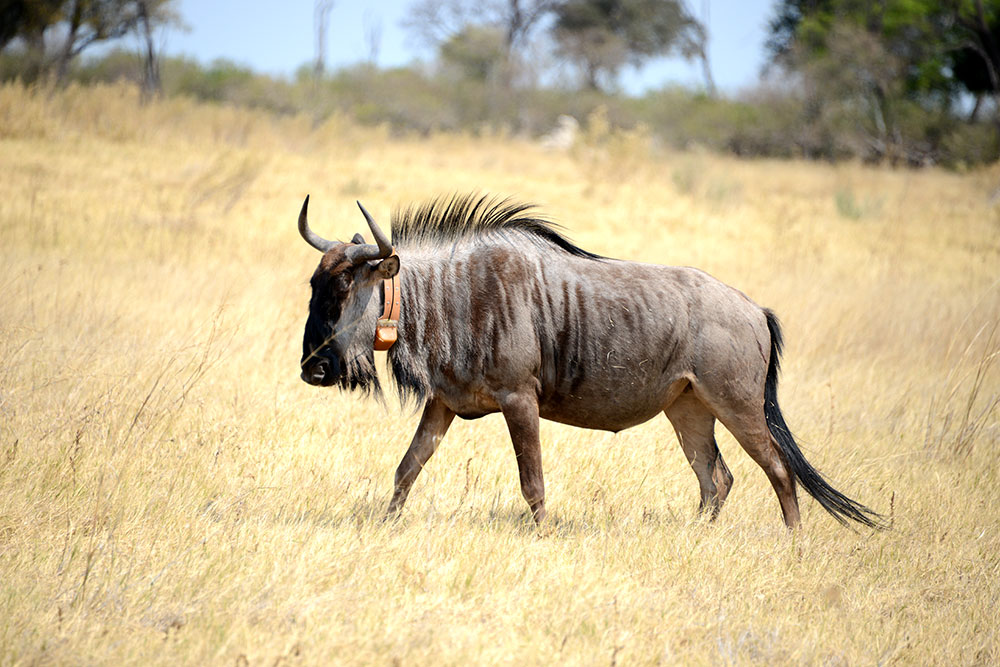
(337, 345)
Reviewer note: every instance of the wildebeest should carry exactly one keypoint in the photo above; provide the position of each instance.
(501, 313)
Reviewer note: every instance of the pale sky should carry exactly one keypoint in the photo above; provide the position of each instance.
(277, 41)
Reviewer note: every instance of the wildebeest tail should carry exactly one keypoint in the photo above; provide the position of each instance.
(833, 501)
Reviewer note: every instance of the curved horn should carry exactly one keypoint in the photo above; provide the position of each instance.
(363, 253)
(311, 237)
(384, 245)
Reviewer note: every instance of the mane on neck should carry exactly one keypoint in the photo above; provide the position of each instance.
(445, 220)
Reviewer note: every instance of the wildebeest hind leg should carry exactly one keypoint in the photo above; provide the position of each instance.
(434, 423)
(695, 427)
(520, 410)
(745, 420)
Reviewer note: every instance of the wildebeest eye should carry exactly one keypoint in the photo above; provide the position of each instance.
(343, 282)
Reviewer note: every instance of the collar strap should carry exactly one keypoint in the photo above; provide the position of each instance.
(385, 330)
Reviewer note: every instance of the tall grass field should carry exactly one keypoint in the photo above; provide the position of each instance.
(172, 493)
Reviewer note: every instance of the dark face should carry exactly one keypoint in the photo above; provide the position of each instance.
(322, 354)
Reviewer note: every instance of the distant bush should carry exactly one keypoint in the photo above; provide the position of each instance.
(115, 66)
(768, 121)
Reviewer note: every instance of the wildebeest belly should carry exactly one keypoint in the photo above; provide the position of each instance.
(600, 420)
(610, 406)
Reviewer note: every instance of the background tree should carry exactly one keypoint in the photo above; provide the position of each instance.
(88, 22)
(976, 62)
(905, 69)
(54, 33)
(477, 52)
(919, 33)
(694, 46)
(466, 22)
(28, 21)
(373, 35)
(435, 21)
(151, 16)
(321, 19)
(603, 35)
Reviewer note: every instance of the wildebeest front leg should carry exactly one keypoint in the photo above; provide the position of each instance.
(521, 413)
(434, 423)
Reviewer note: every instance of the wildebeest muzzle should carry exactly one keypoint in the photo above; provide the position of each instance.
(321, 371)
(321, 364)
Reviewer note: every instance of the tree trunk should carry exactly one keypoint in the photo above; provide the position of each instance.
(991, 54)
(706, 71)
(36, 56)
(513, 26)
(990, 49)
(975, 108)
(321, 17)
(590, 73)
(67, 53)
(151, 86)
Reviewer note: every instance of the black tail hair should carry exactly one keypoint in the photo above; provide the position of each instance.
(833, 501)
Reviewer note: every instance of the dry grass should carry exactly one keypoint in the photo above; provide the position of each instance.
(172, 493)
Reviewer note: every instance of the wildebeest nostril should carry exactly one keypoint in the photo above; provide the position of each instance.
(318, 373)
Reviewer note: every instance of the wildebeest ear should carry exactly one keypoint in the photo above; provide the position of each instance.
(388, 267)
(358, 239)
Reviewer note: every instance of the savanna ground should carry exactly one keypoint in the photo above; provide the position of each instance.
(172, 493)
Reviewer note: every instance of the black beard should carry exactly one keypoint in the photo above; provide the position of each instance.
(359, 374)
(411, 385)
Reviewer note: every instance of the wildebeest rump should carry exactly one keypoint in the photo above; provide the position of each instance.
(501, 313)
